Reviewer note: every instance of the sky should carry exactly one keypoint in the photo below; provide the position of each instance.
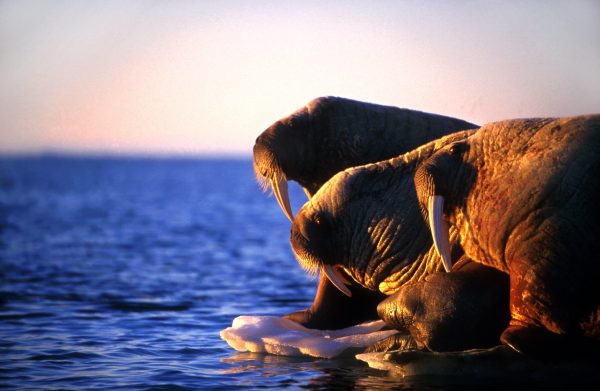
(206, 78)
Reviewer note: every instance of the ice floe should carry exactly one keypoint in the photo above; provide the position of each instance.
(281, 336)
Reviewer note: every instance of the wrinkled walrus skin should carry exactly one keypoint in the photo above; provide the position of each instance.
(326, 136)
(465, 309)
(520, 196)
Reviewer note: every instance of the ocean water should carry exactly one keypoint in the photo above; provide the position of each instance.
(119, 273)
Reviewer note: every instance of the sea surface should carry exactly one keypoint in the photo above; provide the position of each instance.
(119, 273)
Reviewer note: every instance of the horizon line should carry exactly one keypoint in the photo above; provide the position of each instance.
(98, 154)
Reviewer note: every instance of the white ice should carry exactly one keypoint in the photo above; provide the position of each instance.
(285, 337)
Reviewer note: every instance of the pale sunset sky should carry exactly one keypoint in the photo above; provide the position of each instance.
(200, 77)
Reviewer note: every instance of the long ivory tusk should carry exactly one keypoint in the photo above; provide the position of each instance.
(439, 229)
(336, 279)
(280, 189)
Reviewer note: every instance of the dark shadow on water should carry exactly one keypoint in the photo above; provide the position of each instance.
(259, 370)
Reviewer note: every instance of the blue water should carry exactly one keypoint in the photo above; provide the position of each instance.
(120, 273)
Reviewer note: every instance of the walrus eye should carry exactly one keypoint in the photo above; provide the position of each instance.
(457, 148)
(320, 219)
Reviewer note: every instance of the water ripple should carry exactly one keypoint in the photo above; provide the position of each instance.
(28, 315)
(66, 356)
(141, 306)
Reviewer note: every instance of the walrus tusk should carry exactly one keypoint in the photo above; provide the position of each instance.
(280, 189)
(439, 229)
(336, 279)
